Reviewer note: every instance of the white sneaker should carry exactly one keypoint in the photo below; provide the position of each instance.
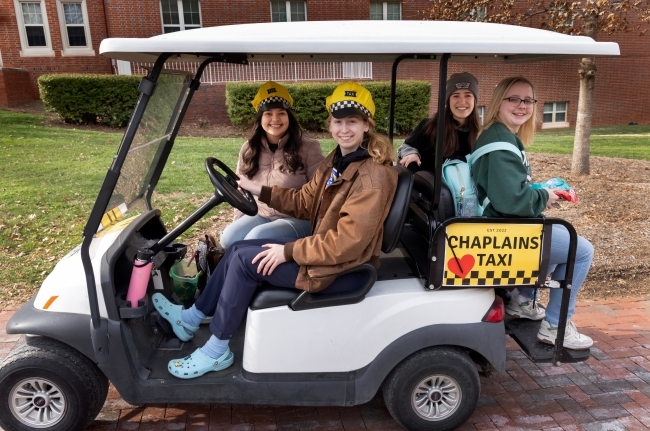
(525, 310)
(572, 338)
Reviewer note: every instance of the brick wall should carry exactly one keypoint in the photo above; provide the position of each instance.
(622, 92)
(209, 103)
(37, 66)
(15, 87)
(620, 99)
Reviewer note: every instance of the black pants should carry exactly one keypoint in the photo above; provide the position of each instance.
(232, 284)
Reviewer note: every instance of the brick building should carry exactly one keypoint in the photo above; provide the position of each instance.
(57, 36)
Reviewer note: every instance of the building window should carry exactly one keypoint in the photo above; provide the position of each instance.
(555, 112)
(75, 31)
(33, 28)
(480, 110)
(287, 11)
(555, 115)
(180, 15)
(385, 10)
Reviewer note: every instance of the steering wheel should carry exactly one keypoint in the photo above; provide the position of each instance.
(227, 187)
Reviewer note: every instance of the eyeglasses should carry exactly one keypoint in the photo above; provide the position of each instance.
(516, 101)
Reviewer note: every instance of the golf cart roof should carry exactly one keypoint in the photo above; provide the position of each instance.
(361, 41)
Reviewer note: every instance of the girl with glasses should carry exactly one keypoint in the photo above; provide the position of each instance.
(504, 178)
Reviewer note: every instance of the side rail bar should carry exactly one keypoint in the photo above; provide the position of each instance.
(442, 84)
(393, 85)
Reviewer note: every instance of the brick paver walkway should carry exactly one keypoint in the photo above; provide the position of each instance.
(608, 392)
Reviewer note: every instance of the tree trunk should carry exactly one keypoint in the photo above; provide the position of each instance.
(582, 140)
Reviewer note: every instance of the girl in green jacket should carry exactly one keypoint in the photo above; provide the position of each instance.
(504, 178)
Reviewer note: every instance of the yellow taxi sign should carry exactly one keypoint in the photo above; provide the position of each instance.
(492, 254)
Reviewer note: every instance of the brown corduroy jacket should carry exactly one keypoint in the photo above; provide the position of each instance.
(347, 219)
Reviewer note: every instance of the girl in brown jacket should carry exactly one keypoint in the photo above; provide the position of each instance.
(276, 155)
(346, 202)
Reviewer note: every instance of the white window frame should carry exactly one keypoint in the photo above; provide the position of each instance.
(288, 7)
(181, 17)
(554, 124)
(74, 50)
(385, 9)
(33, 51)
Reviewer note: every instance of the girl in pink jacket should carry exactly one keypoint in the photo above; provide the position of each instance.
(276, 155)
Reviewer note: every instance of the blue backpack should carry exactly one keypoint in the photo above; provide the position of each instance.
(458, 177)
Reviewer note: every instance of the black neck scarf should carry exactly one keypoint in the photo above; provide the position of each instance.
(341, 162)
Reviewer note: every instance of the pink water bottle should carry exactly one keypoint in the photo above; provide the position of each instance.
(140, 277)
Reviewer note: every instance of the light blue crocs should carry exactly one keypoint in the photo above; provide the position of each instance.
(198, 363)
(172, 313)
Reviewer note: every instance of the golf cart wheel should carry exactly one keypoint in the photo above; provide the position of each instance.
(46, 385)
(435, 389)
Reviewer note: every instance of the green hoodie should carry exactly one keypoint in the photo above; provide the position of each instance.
(504, 179)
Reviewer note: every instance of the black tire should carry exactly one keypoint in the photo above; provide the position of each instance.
(52, 378)
(453, 390)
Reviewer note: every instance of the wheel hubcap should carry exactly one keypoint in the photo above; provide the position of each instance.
(436, 397)
(38, 403)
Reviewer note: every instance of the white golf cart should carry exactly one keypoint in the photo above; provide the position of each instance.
(417, 329)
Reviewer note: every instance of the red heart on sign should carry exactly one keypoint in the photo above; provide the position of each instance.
(461, 267)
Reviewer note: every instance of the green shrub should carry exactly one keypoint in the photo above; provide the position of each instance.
(238, 102)
(411, 103)
(105, 99)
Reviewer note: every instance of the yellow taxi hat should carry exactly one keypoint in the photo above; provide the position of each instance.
(272, 95)
(350, 99)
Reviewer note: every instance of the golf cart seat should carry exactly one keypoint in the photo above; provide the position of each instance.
(422, 199)
(268, 296)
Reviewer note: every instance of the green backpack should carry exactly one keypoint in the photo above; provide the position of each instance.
(458, 177)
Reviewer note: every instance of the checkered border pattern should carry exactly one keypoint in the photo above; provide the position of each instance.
(349, 104)
(276, 99)
(491, 278)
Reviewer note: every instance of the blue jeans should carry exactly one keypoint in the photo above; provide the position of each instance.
(557, 266)
(258, 227)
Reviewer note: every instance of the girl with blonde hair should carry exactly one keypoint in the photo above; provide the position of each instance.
(504, 178)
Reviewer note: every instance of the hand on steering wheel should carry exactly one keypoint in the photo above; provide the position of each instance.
(226, 186)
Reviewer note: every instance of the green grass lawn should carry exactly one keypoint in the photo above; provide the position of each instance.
(630, 142)
(49, 179)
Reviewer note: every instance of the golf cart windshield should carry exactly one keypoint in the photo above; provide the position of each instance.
(155, 129)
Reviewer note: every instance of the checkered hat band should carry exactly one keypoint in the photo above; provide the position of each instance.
(349, 104)
(275, 99)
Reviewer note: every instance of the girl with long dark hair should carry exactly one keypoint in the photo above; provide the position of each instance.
(275, 155)
(462, 126)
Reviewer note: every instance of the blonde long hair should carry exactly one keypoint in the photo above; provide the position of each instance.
(379, 147)
(527, 130)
